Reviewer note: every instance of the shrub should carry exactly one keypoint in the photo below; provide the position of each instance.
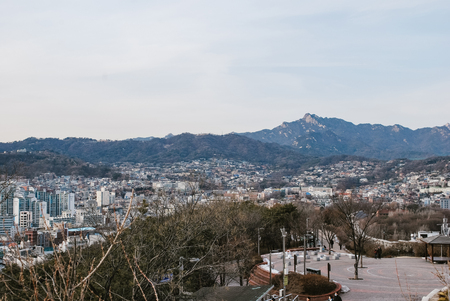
(390, 252)
(277, 281)
(317, 284)
(402, 248)
(295, 285)
(420, 250)
(310, 284)
(369, 249)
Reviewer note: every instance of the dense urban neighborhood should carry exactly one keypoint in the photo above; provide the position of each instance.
(48, 200)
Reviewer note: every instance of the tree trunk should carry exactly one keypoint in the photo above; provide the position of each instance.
(222, 277)
(356, 265)
(241, 280)
(360, 258)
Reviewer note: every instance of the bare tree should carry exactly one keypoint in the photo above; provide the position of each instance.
(59, 277)
(329, 222)
(164, 250)
(356, 219)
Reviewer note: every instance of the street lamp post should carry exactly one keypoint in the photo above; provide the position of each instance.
(181, 265)
(259, 238)
(284, 233)
(181, 273)
(304, 248)
(270, 267)
(322, 236)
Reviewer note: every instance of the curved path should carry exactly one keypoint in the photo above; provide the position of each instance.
(402, 278)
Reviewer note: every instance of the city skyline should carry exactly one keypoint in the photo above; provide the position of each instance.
(113, 70)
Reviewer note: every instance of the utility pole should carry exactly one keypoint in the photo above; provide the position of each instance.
(270, 267)
(181, 274)
(181, 265)
(259, 238)
(284, 233)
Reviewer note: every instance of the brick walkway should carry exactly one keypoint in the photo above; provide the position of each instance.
(403, 278)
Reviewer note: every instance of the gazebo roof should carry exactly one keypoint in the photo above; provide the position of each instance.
(437, 240)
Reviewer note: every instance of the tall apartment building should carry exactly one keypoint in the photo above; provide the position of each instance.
(42, 195)
(105, 198)
(20, 203)
(6, 205)
(39, 211)
(67, 201)
(7, 225)
(50, 198)
(25, 219)
(54, 204)
(35, 209)
(57, 202)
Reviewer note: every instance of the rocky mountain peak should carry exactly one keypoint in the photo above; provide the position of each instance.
(397, 128)
(316, 135)
(308, 118)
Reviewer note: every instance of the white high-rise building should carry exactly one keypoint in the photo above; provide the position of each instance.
(39, 210)
(103, 197)
(16, 210)
(26, 219)
(67, 202)
(112, 198)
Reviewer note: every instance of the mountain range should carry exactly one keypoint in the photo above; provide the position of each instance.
(290, 145)
(318, 136)
(184, 147)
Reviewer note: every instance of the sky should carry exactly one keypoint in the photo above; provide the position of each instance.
(139, 68)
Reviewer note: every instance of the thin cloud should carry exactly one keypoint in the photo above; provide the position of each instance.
(87, 68)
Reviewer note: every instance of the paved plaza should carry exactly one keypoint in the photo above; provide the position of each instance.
(401, 278)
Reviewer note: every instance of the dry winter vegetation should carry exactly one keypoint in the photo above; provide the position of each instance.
(164, 249)
(156, 253)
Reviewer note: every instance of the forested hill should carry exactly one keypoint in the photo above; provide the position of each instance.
(184, 147)
(36, 163)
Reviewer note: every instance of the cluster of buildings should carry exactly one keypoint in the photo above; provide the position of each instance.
(424, 188)
(46, 202)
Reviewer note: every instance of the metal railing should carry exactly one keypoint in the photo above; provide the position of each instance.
(289, 297)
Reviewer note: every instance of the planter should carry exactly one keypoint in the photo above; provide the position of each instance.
(323, 297)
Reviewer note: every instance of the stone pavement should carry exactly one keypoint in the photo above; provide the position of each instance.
(401, 278)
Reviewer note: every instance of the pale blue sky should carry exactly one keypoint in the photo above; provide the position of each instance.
(123, 69)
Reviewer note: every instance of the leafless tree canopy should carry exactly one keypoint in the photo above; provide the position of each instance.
(154, 254)
(356, 219)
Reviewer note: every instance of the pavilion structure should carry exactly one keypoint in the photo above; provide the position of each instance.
(442, 240)
(437, 241)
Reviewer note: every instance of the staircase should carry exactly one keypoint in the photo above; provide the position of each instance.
(258, 276)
